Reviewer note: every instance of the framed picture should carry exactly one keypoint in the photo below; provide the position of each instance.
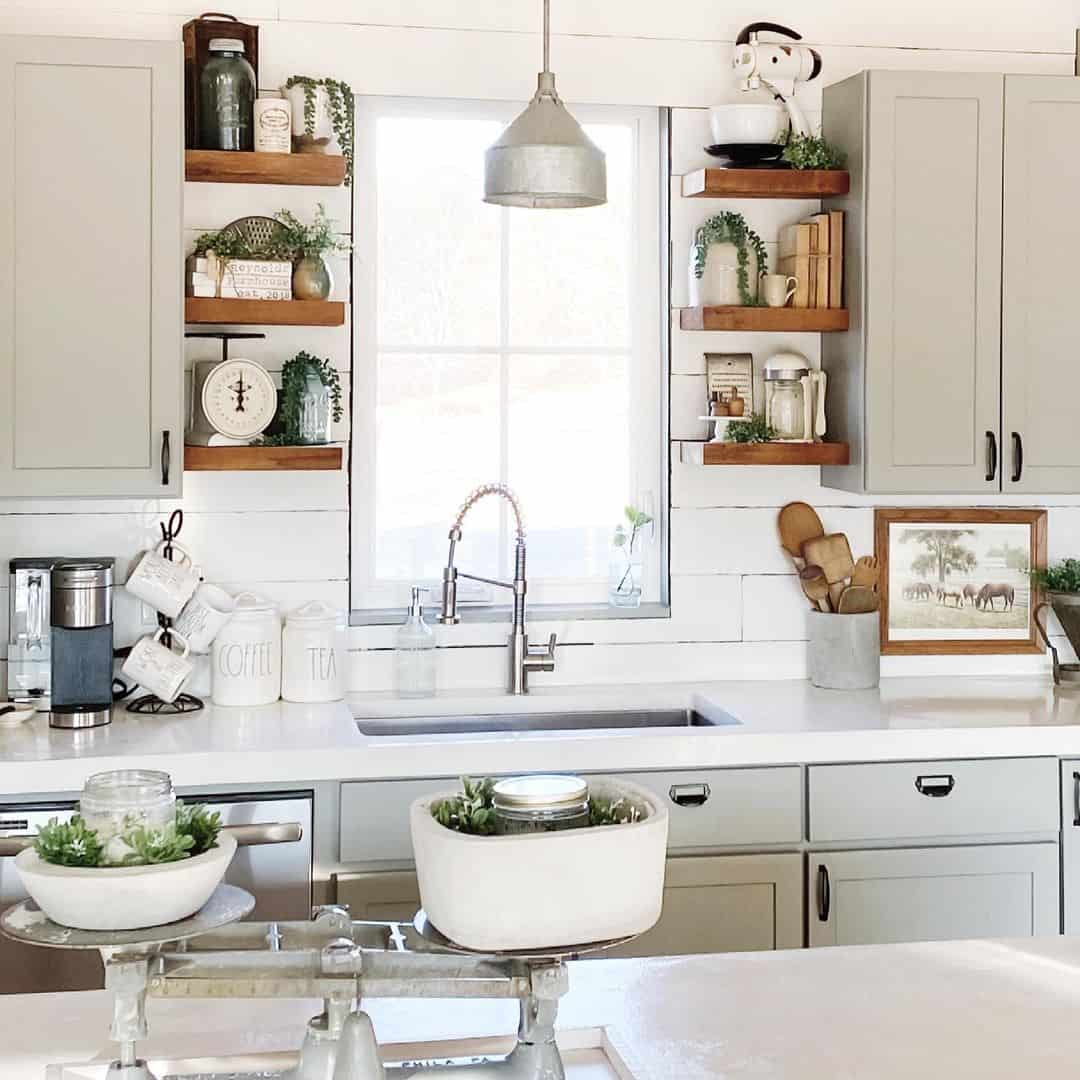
(957, 581)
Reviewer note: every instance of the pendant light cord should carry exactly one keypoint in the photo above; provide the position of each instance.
(547, 35)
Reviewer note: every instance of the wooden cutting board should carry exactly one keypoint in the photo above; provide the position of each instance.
(833, 554)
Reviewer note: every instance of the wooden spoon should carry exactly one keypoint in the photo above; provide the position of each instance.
(816, 587)
(798, 522)
(858, 600)
(865, 572)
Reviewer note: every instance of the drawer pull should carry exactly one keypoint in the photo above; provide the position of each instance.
(1076, 799)
(824, 893)
(936, 787)
(689, 794)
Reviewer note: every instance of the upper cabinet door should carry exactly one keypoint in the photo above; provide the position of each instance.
(91, 318)
(1040, 365)
(932, 261)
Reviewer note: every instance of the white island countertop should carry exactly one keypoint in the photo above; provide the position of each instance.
(779, 723)
(978, 1009)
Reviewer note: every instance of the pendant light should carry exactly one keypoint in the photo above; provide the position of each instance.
(543, 159)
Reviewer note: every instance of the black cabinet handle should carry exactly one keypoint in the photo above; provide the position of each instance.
(689, 794)
(1076, 800)
(991, 455)
(936, 787)
(824, 893)
(166, 458)
(1018, 457)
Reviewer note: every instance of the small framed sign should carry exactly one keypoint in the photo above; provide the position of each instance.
(958, 581)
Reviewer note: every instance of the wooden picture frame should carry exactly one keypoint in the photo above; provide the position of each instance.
(969, 573)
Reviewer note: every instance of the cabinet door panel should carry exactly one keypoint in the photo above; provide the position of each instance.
(933, 253)
(1041, 377)
(933, 894)
(90, 288)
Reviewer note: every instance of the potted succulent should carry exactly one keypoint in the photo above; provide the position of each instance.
(726, 259)
(309, 245)
(322, 115)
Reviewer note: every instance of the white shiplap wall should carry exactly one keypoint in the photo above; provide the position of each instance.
(736, 611)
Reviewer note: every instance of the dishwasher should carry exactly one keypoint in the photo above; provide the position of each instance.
(276, 872)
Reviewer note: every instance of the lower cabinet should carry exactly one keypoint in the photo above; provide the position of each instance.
(383, 896)
(726, 903)
(933, 894)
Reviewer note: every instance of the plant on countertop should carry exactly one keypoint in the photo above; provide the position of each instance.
(811, 152)
(310, 241)
(72, 843)
(729, 227)
(339, 97)
(1062, 577)
(294, 377)
(754, 430)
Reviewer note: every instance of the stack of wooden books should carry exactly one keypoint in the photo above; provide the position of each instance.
(812, 252)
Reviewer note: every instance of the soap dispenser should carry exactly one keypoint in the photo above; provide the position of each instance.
(414, 655)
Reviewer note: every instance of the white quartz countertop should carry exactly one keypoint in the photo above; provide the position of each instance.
(978, 1009)
(779, 723)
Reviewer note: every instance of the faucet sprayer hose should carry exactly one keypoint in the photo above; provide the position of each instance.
(477, 495)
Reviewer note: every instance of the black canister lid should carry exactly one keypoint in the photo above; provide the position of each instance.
(34, 562)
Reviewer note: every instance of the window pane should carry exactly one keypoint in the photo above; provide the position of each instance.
(438, 242)
(437, 437)
(568, 424)
(570, 269)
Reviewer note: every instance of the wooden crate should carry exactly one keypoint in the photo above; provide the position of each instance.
(198, 33)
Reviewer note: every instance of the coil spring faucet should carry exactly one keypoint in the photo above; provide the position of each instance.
(523, 659)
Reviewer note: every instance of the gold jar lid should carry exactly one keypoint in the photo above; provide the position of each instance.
(545, 792)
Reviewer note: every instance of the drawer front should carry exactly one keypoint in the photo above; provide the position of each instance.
(375, 818)
(711, 808)
(932, 798)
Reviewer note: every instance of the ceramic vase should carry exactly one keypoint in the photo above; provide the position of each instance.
(321, 140)
(312, 279)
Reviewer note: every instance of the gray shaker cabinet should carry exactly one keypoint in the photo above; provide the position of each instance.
(91, 316)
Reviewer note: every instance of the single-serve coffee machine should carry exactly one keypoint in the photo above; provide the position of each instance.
(60, 640)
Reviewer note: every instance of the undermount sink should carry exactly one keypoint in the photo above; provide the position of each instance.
(593, 720)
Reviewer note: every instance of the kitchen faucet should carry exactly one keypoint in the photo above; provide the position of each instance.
(523, 659)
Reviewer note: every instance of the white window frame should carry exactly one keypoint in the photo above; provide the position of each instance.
(648, 350)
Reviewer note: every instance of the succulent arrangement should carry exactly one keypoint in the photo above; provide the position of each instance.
(729, 227)
(73, 843)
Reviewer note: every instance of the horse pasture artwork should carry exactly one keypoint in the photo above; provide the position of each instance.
(958, 581)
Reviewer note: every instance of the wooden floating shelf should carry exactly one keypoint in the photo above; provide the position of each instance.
(199, 309)
(765, 183)
(239, 167)
(778, 320)
(262, 458)
(835, 453)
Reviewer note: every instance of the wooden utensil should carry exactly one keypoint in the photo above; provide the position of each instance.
(833, 554)
(815, 587)
(865, 572)
(858, 600)
(798, 522)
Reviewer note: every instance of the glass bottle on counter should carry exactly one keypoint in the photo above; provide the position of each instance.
(227, 98)
(414, 653)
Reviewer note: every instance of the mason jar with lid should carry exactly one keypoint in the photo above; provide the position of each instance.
(785, 400)
(114, 802)
(526, 804)
(227, 98)
(313, 654)
(245, 659)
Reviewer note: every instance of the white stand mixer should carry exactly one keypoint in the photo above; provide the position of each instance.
(776, 66)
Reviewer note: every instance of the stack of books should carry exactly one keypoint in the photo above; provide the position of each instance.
(812, 252)
(239, 279)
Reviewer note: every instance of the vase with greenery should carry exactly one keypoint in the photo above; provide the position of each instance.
(708, 273)
(310, 244)
(627, 564)
(322, 108)
(309, 401)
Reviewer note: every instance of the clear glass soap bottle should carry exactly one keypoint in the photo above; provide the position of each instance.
(414, 655)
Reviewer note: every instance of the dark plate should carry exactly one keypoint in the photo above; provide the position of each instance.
(747, 155)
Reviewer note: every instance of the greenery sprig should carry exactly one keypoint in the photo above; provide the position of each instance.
(472, 811)
(811, 152)
(294, 377)
(310, 241)
(754, 430)
(340, 105)
(729, 227)
(1063, 577)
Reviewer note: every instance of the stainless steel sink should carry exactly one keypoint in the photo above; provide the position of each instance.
(634, 719)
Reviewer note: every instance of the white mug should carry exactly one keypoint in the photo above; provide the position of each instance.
(163, 584)
(778, 289)
(204, 615)
(157, 668)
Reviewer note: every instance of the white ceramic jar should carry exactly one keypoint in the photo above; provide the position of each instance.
(313, 654)
(245, 663)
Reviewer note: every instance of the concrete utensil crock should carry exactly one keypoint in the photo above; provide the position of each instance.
(844, 651)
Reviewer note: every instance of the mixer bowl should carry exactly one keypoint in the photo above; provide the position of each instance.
(749, 123)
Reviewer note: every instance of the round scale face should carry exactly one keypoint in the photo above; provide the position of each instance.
(239, 399)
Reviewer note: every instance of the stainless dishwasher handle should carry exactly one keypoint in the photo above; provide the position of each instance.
(244, 835)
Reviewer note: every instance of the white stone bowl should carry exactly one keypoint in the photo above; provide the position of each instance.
(535, 890)
(124, 897)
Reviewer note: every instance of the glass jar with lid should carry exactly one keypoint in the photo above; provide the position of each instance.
(227, 98)
(785, 397)
(526, 804)
(111, 803)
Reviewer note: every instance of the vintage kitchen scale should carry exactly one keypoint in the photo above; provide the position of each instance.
(214, 955)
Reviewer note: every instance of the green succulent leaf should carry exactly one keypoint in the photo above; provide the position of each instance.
(69, 843)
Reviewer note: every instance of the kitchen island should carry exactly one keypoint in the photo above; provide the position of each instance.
(979, 1009)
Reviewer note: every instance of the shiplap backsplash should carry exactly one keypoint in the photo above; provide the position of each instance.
(736, 609)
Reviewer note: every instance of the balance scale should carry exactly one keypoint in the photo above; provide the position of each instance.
(214, 955)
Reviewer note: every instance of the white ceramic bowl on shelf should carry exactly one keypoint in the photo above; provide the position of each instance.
(545, 889)
(124, 897)
(749, 123)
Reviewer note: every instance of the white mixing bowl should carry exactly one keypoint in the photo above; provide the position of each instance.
(749, 123)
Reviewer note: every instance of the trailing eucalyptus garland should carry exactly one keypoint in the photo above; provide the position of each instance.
(729, 227)
(339, 98)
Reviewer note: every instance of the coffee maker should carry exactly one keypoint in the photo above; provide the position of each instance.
(60, 649)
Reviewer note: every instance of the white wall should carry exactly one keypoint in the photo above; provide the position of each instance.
(737, 612)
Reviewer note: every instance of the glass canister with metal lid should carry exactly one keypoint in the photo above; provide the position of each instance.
(527, 804)
(785, 395)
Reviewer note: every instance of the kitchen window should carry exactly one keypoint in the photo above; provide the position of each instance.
(496, 344)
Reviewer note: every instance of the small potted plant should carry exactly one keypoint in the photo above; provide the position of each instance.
(628, 558)
(322, 114)
(310, 399)
(310, 244)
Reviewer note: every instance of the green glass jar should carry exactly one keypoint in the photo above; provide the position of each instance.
(528, 804)
(227, 98)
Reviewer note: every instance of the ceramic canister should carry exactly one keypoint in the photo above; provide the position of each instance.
(313, 654)
(245, 661)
